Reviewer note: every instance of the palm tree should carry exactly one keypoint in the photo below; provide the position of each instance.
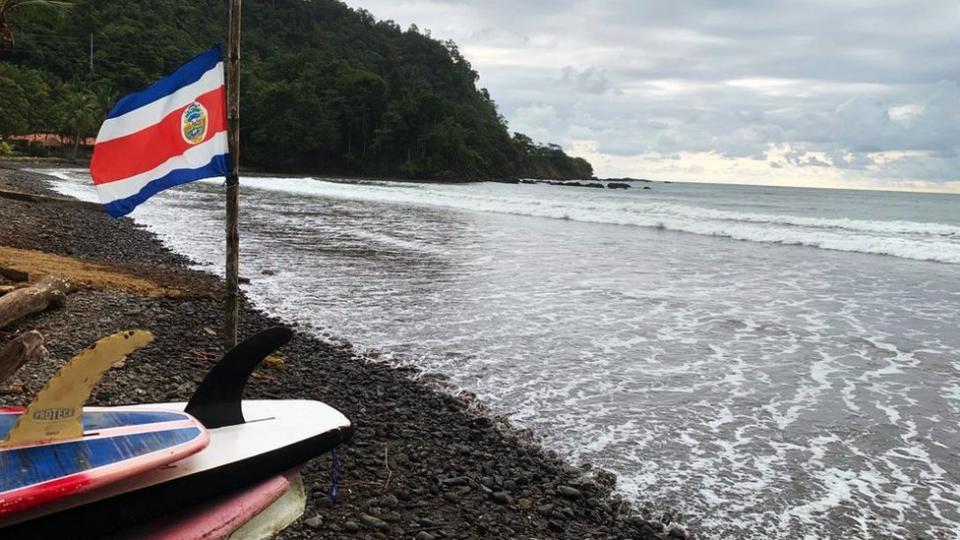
(106, 95)
(44, 11)
(79, 114)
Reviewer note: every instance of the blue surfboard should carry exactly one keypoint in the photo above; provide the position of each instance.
(117, 442)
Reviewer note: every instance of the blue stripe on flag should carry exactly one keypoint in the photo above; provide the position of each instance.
(188, 73)
(218, 166)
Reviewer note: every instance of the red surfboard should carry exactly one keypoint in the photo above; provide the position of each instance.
(218, 518)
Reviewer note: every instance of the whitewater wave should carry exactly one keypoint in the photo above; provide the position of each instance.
(921, 241)
(905, 239)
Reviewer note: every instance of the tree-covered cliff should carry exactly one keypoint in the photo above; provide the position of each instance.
(325, 88)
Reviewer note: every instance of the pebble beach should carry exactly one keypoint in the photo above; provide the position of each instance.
(423, 463)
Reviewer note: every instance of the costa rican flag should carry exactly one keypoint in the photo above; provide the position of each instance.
(169, 134)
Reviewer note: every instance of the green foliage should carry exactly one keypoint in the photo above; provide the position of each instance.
(77, 114)
(15, 12)
(325, 89)
(5, 149)
(25, 101)
(549, 161)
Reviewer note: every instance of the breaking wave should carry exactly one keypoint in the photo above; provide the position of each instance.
(916, 240)
(905, 239)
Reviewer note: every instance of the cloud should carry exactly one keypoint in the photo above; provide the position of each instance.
(591, 80)
(857, 91)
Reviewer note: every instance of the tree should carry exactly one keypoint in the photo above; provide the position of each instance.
(15, 104)
(24, 100)
(364, 104)
(20, 11)
(79, 114)
(326, 89)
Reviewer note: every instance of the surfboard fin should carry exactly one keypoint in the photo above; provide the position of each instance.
(57, 411)
(216, 402)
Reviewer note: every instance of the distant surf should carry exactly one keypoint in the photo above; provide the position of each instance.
(922, 241)
(906, 239)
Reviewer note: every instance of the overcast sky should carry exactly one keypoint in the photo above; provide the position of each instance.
(841, 93)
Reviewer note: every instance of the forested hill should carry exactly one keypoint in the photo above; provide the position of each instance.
(325, 88)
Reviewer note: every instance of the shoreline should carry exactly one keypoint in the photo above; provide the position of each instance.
(22, 162)
(423, 463)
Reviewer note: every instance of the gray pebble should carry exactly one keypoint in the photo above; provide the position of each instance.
(374, 522)
(569, 492)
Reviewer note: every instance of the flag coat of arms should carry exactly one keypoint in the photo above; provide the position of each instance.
(172, 133)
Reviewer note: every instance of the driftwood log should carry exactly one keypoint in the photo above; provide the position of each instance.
(13, 274)
(51, 290)
(27, 347)
(30, 197)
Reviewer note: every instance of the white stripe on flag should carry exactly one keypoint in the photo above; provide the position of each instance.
(193, 158)
(151, 113)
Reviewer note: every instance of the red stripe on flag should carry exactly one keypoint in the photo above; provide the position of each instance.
(150, 147)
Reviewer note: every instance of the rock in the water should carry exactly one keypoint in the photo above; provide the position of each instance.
(605, 479)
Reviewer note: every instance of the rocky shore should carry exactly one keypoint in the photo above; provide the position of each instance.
(423, 464)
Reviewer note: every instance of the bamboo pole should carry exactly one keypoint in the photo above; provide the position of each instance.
(233, 180)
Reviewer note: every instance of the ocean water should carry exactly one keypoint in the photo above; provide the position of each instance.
(770, 362)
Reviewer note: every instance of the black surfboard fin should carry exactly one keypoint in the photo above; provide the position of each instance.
(216, 402)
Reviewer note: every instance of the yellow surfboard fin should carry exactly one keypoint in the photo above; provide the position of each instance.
(56, 413)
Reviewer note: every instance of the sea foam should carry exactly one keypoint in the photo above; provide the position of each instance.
(922, 241)
(906, 239)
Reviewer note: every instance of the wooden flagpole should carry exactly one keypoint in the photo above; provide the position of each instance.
(231, 315)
